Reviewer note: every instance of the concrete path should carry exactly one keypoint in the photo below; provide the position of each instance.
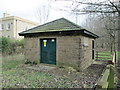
(41, 67)
(100, 62)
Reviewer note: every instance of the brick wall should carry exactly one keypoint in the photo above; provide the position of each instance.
(32, 49)
(68, 50)
(86, 54)
(71, 50)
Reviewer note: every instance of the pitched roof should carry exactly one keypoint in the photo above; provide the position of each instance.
(61, 24)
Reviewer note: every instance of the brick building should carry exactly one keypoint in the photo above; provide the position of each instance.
(60, 42)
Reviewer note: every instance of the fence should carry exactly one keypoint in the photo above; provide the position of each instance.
(104, 56)
(107, 78)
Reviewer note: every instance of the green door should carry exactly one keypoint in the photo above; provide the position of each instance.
(48, 51)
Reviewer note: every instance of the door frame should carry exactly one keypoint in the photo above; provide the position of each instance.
(41, 49)
(93, 49)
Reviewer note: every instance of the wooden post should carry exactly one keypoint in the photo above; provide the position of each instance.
(111, 78)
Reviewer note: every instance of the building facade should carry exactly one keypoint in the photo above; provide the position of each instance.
(60, 42)
(10, 26)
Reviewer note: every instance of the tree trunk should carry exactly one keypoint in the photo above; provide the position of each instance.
(118, 37)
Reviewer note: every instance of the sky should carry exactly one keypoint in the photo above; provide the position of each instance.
(28, 9)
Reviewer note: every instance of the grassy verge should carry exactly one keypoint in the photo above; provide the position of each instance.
(118, 55)
(16, 75)
(107, 55)
(104, 56)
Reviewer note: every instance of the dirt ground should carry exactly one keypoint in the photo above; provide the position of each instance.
(67, 75)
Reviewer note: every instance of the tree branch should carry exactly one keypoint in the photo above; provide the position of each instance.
(114, 6)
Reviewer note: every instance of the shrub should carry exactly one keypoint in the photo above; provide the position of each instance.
(21, 43)
(5, 45)
(9, 46)
(29, 62)
(35, 63)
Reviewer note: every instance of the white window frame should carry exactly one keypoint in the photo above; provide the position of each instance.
(8, 26)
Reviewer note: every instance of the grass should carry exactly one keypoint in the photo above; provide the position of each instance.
(118, 55)
(16, 75)
(24, 79)
(105, 53)
(11, 62)
(104, 56)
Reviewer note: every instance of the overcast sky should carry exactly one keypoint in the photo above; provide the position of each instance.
(28, 9)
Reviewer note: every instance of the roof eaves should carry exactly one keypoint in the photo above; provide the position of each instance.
(60, 30)
(91, 34)
(22, 34)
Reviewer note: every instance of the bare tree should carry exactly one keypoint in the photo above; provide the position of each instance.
(101, 9)
(43, 13)
(110, 10)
